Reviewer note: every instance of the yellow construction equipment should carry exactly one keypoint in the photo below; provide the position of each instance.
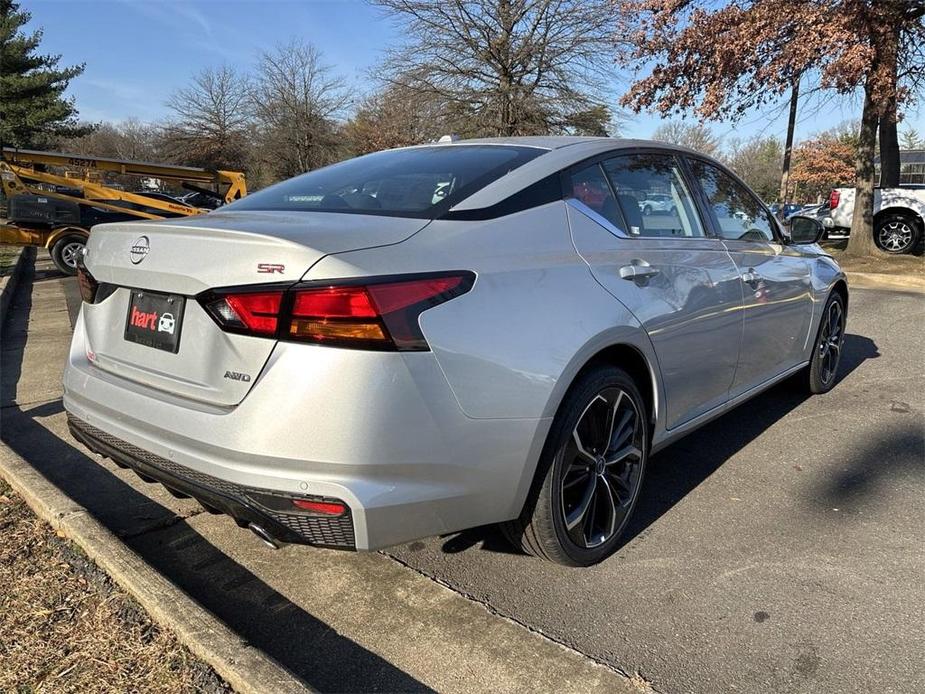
(54, 198)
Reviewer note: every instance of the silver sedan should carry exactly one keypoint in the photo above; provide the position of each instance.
(432, 338)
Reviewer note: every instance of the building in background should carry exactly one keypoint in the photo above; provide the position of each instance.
(911, 167)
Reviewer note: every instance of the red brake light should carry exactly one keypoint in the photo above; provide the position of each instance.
(394, 296)
(250, 312)
(334, 302)
(377, 314)
(834, 199)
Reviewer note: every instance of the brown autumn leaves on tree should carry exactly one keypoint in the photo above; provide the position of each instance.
(822, 163)
(722, 63)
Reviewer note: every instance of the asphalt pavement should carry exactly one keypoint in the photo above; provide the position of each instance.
(779, 549)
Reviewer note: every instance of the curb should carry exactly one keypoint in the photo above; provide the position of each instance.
(878, 280)
(26, 255)
(245, 668)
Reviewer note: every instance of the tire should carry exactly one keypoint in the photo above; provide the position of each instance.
(574, 475)
(647, 210)
(823, 369)
(65, 252)
(896, 234)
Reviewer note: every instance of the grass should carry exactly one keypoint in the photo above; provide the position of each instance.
(882, 263)
(66, 627)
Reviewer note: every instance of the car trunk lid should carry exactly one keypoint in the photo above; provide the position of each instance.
(158, 268)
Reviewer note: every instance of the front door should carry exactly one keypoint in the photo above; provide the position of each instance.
(776, 279)
(682, 286)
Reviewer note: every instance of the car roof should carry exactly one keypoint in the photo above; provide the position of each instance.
(562, 151)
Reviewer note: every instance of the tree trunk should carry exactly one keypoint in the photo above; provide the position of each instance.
(889, 140)
(788, 148)
(889, 151)
(861, 240)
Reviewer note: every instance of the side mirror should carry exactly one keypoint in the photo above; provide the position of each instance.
(805, 229)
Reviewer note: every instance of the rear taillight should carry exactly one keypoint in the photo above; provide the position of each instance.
(86, 282)
(377, 313)
(834, 199)
(255, 312)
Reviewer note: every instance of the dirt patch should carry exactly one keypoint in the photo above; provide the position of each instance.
(7, 258)
(882, 264)
(66, 627)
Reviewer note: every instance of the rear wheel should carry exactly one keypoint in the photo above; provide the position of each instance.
(66, 251)
(590, 472)
(896, 234)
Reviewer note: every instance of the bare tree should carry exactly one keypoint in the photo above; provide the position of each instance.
(130, 139)
(758, 162)
(298, 101)
(507, 67)
(395, 117)
(696, 136)
(211, 119)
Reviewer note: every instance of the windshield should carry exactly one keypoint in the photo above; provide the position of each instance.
(420, 182)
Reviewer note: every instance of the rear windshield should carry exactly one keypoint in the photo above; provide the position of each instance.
(421, 182)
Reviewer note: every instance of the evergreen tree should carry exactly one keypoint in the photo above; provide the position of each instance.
(910, 139)
(33, 112)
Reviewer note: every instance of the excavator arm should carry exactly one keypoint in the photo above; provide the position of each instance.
(45, 176)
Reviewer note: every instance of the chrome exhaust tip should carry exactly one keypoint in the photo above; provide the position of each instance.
(264, 536)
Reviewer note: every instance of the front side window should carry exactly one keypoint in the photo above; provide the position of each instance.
(653, 197)
(416, 182)
(739, 214)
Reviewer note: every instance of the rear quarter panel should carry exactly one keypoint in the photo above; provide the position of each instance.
(510, 347)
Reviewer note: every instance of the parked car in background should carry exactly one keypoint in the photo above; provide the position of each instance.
(818, 211)
(202, 200)
(656, 203)
(899, 216)
(423, 340)
(784, 210)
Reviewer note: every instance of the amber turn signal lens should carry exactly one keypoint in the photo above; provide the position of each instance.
(336, 330)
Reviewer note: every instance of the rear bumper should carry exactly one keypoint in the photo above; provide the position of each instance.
(237, 501)
(382, 432)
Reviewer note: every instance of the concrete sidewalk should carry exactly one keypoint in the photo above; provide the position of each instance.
(339, 621)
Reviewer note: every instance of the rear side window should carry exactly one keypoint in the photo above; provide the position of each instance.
(420, 182)
(738, 213)
(589, 186)
(653, 196)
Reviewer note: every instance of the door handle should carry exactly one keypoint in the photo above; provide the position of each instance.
(638, 270)
(751, 278)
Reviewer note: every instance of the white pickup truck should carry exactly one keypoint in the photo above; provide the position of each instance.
(899, 216)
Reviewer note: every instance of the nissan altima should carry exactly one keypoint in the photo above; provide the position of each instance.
(427, 339)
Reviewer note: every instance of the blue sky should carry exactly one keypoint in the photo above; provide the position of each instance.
(139, 51)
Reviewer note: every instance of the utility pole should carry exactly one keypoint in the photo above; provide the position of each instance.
(788, 148)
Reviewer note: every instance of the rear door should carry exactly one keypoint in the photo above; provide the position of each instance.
(775, 279)
(679, 283)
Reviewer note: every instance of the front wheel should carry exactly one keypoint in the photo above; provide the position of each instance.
(896, 234)
(66, 252)
(590, 473)
(828, 346)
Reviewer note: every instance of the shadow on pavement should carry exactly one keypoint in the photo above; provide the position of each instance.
(263, 617)
(675, 471)
(898, 451)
